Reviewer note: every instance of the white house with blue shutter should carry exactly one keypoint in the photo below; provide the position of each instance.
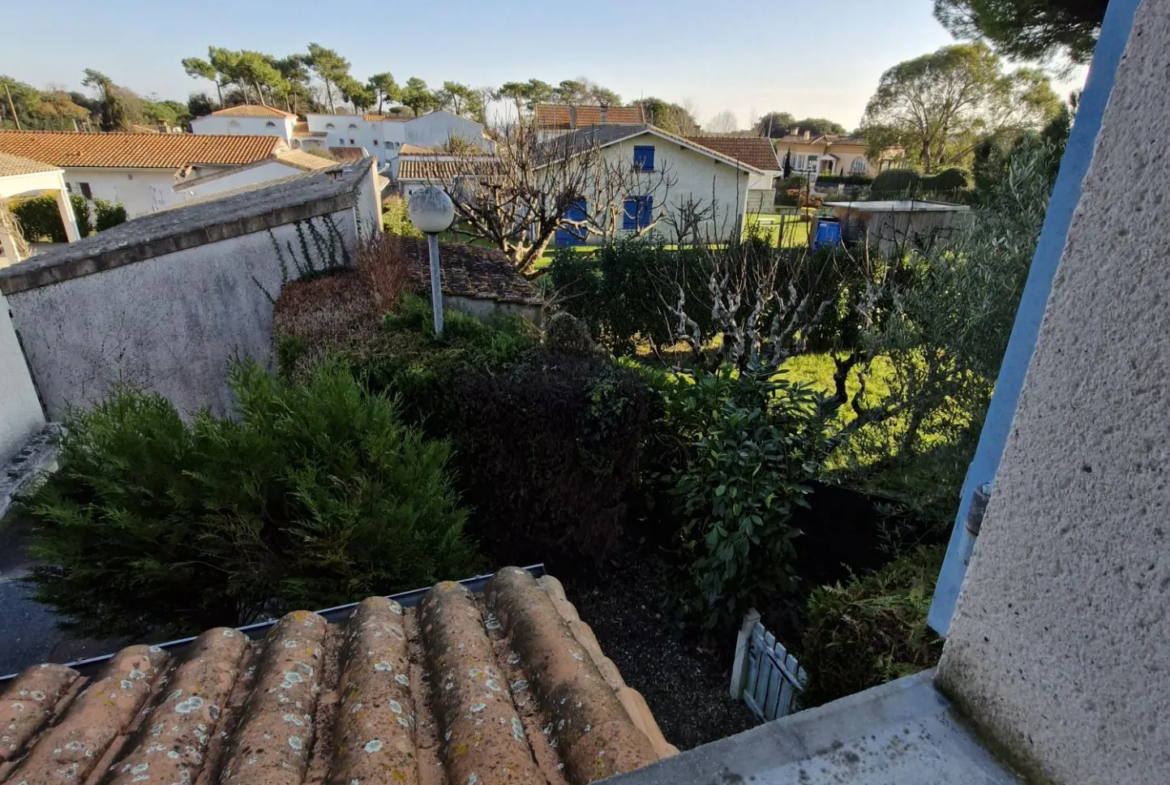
(714, 187)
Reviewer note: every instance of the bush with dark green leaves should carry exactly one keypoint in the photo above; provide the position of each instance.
(871, 629)
(894, 183)
(948, 181)
(844, 179)
(566, 334)
(745, 447)
(313, 494)
(81, 215)
(39, 219)
(107, 215)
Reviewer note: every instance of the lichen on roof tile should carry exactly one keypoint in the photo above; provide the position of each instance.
(456, 690)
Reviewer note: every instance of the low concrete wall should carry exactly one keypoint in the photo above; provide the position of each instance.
(20, 411)
(170, 324)
(1060, 644)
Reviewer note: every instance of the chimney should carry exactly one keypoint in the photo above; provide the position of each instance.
(807, 134)
(604, 114)
(572, 118)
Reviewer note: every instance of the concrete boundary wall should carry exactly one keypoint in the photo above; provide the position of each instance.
(166, 302)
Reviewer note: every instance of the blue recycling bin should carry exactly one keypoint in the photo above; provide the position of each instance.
(828, 233)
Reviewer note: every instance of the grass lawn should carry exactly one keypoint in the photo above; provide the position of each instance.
(782, 231)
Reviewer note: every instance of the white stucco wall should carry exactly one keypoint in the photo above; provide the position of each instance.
(169, 324)
(249, 126)
(250, 175)
(20, 411)
(384, 138)
(141, 191)
(438, 127)
(1060, 644)
(694, 175)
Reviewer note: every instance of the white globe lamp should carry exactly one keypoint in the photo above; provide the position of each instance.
(432, 212)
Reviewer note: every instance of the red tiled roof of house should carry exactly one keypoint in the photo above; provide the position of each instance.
(15, 165)
(252, 110)
(752, 150)
(567, 117)
(301, 129)
(137, 151)
(435, 169)
(509, 687)
(347, 155)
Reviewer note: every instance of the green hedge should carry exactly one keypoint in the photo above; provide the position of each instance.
(107, 215)
(895, 182)
(847, 179)
(39, 219)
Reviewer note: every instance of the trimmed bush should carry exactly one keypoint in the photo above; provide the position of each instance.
(844, 179)
(107, 215)
(39, 219)
(947, 181)
(871, 629)
(566, 334)
(314, 494)
(81, 215)
(895, 182)
(395, 220)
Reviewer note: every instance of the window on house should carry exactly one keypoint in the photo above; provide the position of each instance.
(644, 158)
(375, 143)
(85, 191)
(636, 212)
(858, 166)
(811, 163)
(330, 125)
(351, 141)
(68, 188)
(353, 126)
(270, 124)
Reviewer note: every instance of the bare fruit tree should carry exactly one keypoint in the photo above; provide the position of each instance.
(519, 198)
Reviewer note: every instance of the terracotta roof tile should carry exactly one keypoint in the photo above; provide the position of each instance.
(434, 169)
(301, 129)
(15, 164)
(752, 150)
(306, 162)
(470, 271)
(145, 151)
(566, 117)
(374, 117)
(253, 110)
(347, 155)
(507, 686)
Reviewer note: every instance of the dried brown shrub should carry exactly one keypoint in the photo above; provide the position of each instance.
(381, 262)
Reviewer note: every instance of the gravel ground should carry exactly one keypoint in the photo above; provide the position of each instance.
(684, 684)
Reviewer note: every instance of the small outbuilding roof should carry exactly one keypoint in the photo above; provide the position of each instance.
(251, 110)
(16, 165)
(137, 151)
(900, 206)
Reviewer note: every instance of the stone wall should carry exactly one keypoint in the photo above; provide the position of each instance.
(1060, 645)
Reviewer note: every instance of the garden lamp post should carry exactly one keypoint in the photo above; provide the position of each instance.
(432, 212)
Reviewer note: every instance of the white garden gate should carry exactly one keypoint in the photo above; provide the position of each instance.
(765, 675)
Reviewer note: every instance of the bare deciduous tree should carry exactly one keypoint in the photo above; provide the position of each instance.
(519, 198)
(723, 123)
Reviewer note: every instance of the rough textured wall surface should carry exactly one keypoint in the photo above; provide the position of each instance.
(170, 324)
(20, 411)
(1060, 646)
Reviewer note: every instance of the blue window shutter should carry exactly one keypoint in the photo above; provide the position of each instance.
(630, 214)
(644, 158)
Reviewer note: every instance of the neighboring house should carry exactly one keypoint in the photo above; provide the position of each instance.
(553, 120)
(247, 120)
(383, 135)
(138, 170)
(830, 154)
(699, 176)
(421, 166)
(24, 177)
(283, 163)
(754, 151)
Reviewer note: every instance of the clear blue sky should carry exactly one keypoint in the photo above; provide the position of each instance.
(809, 58)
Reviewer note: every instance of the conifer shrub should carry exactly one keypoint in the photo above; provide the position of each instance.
(314, 494)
